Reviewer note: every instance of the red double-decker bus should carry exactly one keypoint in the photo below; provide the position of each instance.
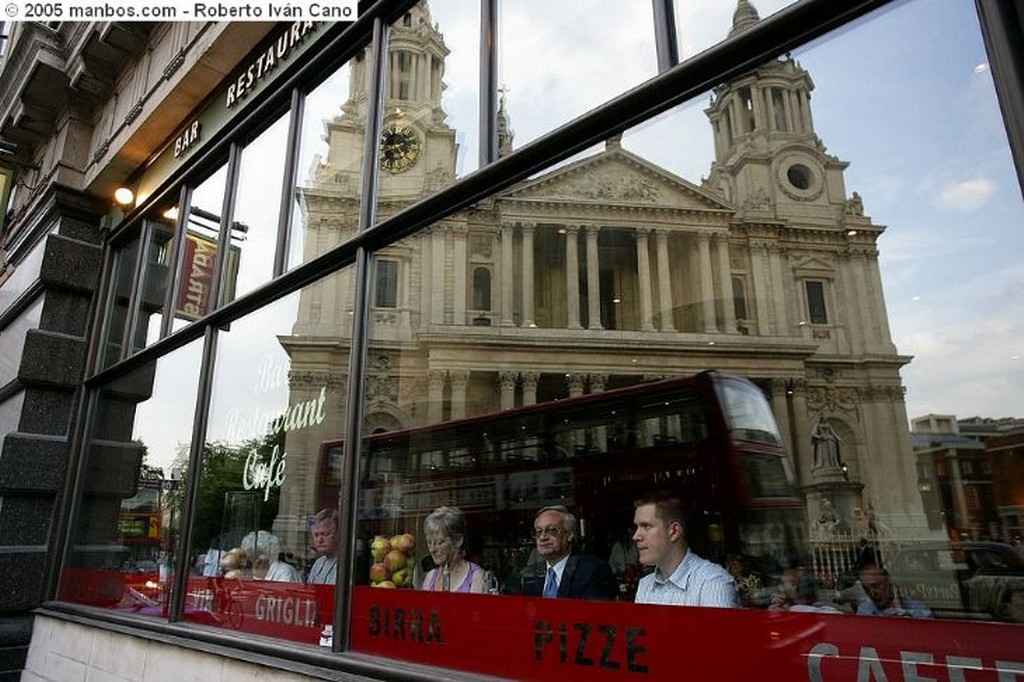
(711, 438)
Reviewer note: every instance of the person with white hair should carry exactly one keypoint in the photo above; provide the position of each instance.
(264, 551)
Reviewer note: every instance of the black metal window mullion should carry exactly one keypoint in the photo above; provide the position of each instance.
(182, 565)
(291, 161)
(348, 499)
(1002, 27)
(488, 82)
(132, 293)
(177, 256)
(227, 218)
(131, 321)
(666, 40)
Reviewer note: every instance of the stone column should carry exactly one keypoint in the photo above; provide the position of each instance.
(780, 407)
(761, 294)
(437, 245)
(426, 278)
(725, 282)
(707, 284)
(435, 395)
(459, 379)
(528, 283)
(507, 386)
(775, 260)
(875, 278)
(506, 274)
(530, 380)
(600, 434)
(664, 281)
(858, 263)
(801, 431)
(572, 276)
(575, 383)
(459, 267)
(593, 279)
(643, 273)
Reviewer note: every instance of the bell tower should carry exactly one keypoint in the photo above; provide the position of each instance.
(768, 158)
(418, 150)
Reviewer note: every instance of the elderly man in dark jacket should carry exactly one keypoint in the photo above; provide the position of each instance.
(562, 572)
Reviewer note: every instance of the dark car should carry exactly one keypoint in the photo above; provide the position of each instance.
(968, 580)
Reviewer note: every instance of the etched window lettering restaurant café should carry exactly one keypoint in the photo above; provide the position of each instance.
(478, 340)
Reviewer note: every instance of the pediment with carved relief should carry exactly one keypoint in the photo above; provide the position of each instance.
(621, 178)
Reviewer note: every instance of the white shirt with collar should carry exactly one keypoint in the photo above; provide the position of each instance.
(559, 567)
(695, 582)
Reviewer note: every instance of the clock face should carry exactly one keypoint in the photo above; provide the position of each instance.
(399, 147)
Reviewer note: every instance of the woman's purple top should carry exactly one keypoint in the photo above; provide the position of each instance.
(466, 584)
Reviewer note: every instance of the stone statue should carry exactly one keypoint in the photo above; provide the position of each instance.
(826, 446)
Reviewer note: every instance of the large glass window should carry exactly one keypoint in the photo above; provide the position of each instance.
(558, 61)
(126, 539)
(329, 175)
(625, 266)
(253, 237)
(194, 294)
(652, 395)
(430, 131)
(268, 487)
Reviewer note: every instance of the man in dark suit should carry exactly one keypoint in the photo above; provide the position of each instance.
(564, 573)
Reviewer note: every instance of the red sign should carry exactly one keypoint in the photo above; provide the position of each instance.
(545, 639)
(196, 280)
(289, 611)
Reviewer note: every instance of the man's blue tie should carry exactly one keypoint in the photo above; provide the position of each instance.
(551, 585)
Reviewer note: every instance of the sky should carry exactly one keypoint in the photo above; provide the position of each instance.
(905, 97)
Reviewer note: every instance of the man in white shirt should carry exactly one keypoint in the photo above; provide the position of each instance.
(680, 577)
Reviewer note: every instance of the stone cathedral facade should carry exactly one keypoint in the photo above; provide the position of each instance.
(611, 270)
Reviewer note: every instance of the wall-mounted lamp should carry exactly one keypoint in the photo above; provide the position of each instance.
(851, 233)
(124, 197)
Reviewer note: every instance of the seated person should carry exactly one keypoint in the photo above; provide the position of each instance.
(798, 592)
(445, 530)
(883, 598)
(264, 551)
(561, 572)
(680, 577)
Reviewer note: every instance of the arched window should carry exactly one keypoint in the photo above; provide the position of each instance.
(481, 289)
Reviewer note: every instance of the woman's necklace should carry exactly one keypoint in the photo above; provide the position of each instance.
(447, 572)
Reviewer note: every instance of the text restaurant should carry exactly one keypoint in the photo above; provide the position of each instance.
(530, 341)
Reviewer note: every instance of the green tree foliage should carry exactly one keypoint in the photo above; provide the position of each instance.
(225, 511)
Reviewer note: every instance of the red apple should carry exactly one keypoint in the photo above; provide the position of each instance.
(407, 543)
(379, 573)
(394, 561)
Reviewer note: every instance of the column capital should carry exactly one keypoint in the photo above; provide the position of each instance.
(436, 377)
(571, 229)
(575, 381)
(458, 377)
(530, 378)
(507, 379)
(598, 382)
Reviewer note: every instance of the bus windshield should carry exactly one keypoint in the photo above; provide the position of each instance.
(747, 412)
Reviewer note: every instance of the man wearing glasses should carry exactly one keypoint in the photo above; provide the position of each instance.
(564, 573)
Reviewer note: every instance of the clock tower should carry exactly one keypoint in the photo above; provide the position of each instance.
(768, 158)
(417, 147)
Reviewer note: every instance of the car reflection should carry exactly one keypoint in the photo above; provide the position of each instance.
(965, 580)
